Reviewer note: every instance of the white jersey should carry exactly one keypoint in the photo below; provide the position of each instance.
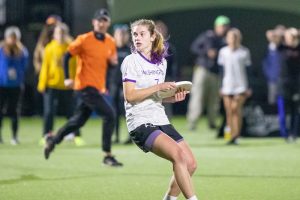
(136, 68)
(234, 63)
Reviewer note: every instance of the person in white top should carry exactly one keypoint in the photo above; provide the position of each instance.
(143, 74)
(234, 58)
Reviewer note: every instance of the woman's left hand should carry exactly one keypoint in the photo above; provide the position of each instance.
(180, 96)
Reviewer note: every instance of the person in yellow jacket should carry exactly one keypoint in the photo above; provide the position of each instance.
(51, 80)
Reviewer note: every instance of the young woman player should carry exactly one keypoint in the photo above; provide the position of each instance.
(143, 74)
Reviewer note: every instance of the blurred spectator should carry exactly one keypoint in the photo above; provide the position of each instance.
(95, 50)
(115, 86)
(44, 38)
(234, 58)
(290, 79)
(51, 80)
(172, 67)
(272, 63)
(13, 61)
(206, 73)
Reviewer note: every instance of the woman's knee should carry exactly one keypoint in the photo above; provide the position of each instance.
(178, 157)
(192, 166)
(234, 109)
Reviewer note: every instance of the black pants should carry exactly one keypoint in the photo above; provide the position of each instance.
(9, 104)
(294, 108)
(115, 89)
(220, 132)
(52, 99)
(91, 100)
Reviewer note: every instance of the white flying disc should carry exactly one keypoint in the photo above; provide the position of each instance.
(181, 85)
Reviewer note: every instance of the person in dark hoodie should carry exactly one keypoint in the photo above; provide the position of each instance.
(272, 63)
(206, 75)
(290, 80)
(114, 75)
(272, 66)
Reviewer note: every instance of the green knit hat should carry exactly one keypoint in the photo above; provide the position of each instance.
(222, 20)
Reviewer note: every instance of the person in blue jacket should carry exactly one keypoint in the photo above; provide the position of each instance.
(272, 63)
(13, 61)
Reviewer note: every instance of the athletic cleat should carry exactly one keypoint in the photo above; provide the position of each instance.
(14, 141)
(233, 141)
(79, 141)
(49, 147)
(69, 137)
(290, 139)
(42, 141)
(111, 161)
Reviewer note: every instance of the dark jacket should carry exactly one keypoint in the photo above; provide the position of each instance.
(290, 73)
(200, 46)
(272, 64)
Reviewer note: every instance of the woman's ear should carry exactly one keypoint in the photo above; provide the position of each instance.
(153, 37)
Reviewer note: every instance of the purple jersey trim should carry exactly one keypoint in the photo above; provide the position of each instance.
(129, 80)
(149, 61)
(151, 138)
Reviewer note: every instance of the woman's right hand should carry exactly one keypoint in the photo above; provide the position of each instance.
(166, 86)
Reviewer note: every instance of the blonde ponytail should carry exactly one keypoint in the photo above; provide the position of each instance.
(158, 46)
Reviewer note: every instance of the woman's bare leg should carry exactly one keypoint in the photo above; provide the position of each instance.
(227, 104)
(167, 148)
(237, 105)
(174, 189)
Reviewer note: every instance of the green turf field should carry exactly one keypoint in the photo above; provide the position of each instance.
(258, 169)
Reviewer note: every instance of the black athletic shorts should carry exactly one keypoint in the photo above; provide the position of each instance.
(144, 135)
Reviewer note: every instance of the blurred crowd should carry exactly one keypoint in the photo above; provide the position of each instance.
(221, 72)
(223, 67)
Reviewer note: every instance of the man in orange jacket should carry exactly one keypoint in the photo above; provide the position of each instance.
(94, 50)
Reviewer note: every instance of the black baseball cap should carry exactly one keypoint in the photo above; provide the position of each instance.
(102, 14)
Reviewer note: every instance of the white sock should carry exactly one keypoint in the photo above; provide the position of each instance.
(168, 197)
(193, 198)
